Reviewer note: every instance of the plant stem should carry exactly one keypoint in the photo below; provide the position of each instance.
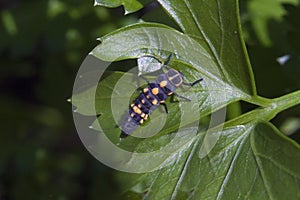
(234, 110)
(260, 101)
(270, 109)
(287, 101)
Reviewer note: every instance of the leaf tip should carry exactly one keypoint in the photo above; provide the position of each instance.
(96, 3)
(126, 12)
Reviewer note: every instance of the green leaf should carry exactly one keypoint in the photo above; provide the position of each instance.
(262, 12)
(251, 161)
(191, 57)
(130, 6)
(117, 90)
(217, 24)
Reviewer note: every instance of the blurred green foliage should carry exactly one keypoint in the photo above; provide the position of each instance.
(42, 44)
(272, 30)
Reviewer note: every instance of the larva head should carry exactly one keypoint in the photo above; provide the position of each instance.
(174, 77)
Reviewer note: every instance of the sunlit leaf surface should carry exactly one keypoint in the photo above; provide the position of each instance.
(129, 5)
(252, 161)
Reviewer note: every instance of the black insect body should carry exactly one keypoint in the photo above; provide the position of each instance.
(152, 96)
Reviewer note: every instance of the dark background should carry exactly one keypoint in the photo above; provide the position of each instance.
(42, 44)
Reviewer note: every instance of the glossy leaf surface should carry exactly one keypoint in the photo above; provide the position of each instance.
(252, 161)
(129, 5)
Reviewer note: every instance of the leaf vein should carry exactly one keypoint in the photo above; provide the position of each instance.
(174, 193)
(207, 40)
(278, 165)
(228, 173)
(262, 175)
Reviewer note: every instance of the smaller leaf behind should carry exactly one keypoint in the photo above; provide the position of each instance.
(130, 6)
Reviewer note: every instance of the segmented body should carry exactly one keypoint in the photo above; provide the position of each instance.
(152, 96)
